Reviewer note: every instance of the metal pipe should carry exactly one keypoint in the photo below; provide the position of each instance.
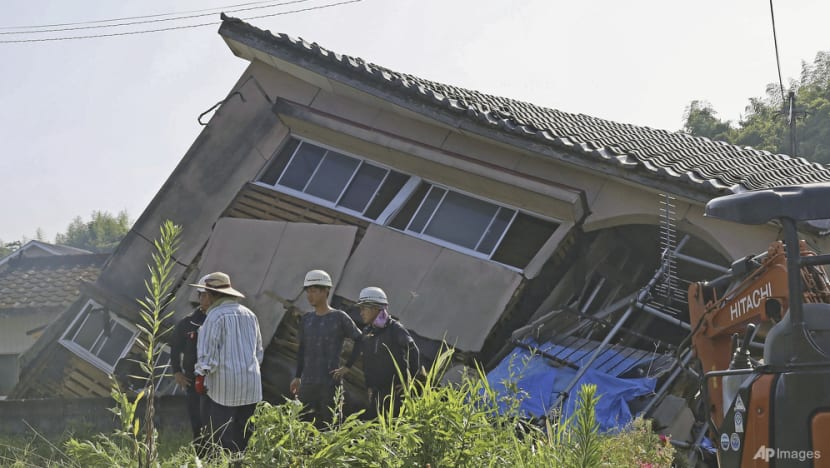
(662, 315)
(796, 312)
(641, 296)
(693, 456)
(815, 260)
(703, 263)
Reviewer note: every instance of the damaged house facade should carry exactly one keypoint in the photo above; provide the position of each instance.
(486, 220)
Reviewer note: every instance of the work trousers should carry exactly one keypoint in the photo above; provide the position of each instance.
(228, 425)
(194, 411)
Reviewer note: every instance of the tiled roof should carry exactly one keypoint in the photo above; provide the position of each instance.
(703, 164)
(46, 282)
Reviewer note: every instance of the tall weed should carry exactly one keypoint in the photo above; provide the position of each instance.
(132, 444)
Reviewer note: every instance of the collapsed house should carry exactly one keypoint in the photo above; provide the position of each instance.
(491, 223)
(37, 282)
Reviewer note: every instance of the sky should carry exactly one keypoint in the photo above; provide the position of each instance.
(99, 124)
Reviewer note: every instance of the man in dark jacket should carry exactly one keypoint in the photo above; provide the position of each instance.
(387, 350)
(321, 335)
(183, 361)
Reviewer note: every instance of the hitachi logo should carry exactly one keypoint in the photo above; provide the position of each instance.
(750, 301)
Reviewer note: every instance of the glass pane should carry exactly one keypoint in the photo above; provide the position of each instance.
(279, 161)
(391, 186)
(302, 166)
(115, 343)
(91, 328)
(332, 176)
(496, 229)
(430, 202)
(362, 187)
(461, 220)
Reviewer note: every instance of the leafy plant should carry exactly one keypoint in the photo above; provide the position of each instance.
(128, 446)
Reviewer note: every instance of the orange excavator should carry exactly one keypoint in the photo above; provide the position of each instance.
(773, 411)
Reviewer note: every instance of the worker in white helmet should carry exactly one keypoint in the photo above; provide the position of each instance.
(388, 349)
(321, 337)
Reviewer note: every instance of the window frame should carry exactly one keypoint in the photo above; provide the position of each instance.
(399, 200)
(456, 247)
(321, 201)
(85, 354)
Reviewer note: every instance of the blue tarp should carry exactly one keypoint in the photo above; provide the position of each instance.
(540, 384)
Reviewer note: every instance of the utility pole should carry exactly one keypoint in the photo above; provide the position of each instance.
(791, 116)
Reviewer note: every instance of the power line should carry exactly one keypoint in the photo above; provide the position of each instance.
(173, 28)
(133, 17)
(158, 20)
(777, 59)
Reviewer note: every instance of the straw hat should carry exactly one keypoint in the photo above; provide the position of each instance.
(218, 282)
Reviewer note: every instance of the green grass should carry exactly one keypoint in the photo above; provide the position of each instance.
(36, 450)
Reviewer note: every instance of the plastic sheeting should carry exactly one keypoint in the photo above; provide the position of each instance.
(539, 385)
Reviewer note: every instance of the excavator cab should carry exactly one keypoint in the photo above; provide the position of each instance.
(779, 415)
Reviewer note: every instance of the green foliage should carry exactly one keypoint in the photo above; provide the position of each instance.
(453, 425)
(7, 248)
(700, 120)
(101, 233)
(583, 447)
(765, 124)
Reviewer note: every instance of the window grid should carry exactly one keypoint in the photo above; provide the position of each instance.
(475, 251)
(345, 188)
(348, 183)
(398, 201)
(504, 232)
(490, 226)
(377, 189)
(88, 354)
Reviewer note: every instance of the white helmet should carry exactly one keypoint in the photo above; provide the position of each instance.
(372, 295)
(317, 278)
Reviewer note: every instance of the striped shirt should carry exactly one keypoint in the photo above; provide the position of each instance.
(229, 353)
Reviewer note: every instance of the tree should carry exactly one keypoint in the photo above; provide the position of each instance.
(101, 233)
(765, 124)
(7, 248)
(701, 121)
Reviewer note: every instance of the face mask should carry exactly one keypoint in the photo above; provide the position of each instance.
(381, 320)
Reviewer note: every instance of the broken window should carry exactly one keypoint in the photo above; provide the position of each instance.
(333, 178)
(99, 337)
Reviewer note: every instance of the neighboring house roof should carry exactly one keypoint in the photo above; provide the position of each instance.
(36, 248)
(46, 282)
(701, 164)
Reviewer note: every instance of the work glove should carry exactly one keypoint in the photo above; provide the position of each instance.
(199, 385)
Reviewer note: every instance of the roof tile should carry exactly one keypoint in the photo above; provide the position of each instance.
(46, 281)
(705, 164)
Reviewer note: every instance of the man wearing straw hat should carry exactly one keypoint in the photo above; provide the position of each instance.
(229, 353)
